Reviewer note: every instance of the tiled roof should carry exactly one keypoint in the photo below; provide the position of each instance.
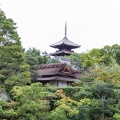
(52, 65)
(61, 52)
(65, 41)
(50, 69)
(54, 69)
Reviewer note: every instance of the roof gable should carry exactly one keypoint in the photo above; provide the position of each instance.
(66, 69)
(55, 69)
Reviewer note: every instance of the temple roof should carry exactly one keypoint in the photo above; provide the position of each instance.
(58, 72)
(57, 69)
(62, 52)
(65, 41)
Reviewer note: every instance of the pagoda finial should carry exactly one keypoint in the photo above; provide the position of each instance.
(65, 29)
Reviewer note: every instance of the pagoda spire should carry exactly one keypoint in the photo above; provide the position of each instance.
(65, 46)
(65, 29)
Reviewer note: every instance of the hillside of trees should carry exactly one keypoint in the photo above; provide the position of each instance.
(96, 96)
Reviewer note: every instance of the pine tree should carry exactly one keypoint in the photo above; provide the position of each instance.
(13, 68)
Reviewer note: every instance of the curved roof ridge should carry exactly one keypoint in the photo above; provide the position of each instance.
(69, 41)
(52, 65)
(65, 41)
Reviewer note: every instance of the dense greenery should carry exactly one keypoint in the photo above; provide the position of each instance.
(95, 97)
(108, 55)
(13, 68)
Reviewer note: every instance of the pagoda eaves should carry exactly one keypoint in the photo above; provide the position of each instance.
(65, 41)
(61, 53)
(64, 46)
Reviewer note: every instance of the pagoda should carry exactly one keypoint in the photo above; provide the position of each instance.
(64, 46)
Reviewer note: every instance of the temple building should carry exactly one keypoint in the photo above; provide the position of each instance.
(64, 46)
(60, 74)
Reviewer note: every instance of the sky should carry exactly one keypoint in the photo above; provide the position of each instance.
(90, 23)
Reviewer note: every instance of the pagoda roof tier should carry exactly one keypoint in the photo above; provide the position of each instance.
(61, 53)
(66, 42)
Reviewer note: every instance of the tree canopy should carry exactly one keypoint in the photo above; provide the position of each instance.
(13, 67)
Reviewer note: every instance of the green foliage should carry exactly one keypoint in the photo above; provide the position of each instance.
(31, 100)
(108, 55)
(5, 112)
(84, 113)
(83, 93)
(112, 51)
(12, 58)
(102, 90)
(103, 85)
(108, 74)
(117, 116)
(68, 91)
(92, 58)
(35, 55)
(103, 73)
(76, 60)
(32, 59)
(118, 57)
(65, 109)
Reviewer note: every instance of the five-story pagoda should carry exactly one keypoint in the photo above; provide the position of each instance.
(64, 46)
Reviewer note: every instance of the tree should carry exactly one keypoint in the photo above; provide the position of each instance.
(34, 58)
(66, 108)
(76, 60)
(111, 52)
(31, 101)
(84, 109)
(103, 92)
(110, 74)
(116, 52)
(103, 73)
(92, 58)
(46, 58)
(13, 68)
(117, 116)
